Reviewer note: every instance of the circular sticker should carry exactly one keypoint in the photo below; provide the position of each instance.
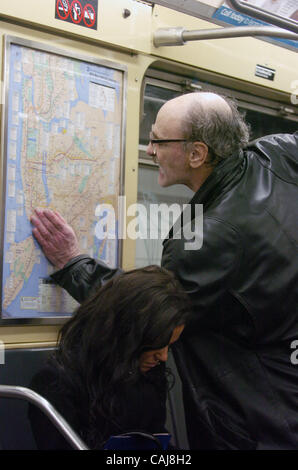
(63, 9)
(76, 11)
(89, 16)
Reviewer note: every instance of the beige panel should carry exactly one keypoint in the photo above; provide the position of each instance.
(136, 67)
(236, 57)
(213, 3)
(13, 335)
(112, 28)
(228, 57)
(31, 345)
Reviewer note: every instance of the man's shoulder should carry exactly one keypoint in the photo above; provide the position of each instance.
(281, 139)
(217, 237)
(278, 153)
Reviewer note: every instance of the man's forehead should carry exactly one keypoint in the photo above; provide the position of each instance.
(166, 124)
(154, 129)
(160, 131)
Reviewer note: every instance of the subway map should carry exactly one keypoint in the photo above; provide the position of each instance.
(64, 119)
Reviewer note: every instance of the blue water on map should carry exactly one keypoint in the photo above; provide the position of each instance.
(88, 73)
(44, 177)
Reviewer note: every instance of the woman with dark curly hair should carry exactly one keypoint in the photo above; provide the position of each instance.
(108, 374)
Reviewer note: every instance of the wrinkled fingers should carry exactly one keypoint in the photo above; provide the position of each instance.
(40, 231)
(55, 221)
(45, 219)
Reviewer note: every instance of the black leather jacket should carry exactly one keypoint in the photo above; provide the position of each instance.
(240, 385)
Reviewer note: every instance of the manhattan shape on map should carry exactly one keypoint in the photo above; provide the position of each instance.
(63, 152)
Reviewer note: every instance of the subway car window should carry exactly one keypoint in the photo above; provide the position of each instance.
(264, 124)
(148, 249)
(267, 121)
(264, 119)
(151, 195)
(154, 98)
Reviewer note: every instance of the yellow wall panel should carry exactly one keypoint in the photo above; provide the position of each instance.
(112, 28)
(235, 57)
(136, 67)
(129, 42)
(12, 335)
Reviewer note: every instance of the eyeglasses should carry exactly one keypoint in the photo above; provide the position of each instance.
(164, 141)
(152, 140)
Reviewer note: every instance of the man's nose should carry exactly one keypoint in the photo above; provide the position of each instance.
(162, 355)
(150, 150)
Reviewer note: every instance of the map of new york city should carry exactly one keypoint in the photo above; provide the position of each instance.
(63, 152)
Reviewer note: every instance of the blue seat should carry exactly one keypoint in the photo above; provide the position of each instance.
(18, 369)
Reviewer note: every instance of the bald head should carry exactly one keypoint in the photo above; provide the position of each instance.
(210, 118)
(183, 105)
(206, 99)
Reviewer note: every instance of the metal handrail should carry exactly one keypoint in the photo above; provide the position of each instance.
(179, 36)
(264, 15)
(12, 391)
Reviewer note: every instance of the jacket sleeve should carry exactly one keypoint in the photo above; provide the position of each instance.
(82, 275)
(206, 273)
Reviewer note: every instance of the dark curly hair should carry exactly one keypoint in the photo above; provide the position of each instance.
(100, 346)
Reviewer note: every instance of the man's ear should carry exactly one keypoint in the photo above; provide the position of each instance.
(198, 155)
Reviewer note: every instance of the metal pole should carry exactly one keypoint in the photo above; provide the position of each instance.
(12, 391)
(179, 36)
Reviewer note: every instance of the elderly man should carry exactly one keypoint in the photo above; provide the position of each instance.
(240, 386)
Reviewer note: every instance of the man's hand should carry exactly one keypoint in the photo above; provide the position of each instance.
(56, 238)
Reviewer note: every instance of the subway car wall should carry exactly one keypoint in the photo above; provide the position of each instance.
(107, 48)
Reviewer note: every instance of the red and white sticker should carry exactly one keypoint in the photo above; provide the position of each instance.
(89, 15)
(76, 11)
(79, 12)
(63, 9)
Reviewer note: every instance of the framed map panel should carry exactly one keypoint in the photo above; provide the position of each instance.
(62, 148)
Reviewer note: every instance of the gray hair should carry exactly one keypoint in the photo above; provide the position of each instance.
(225, 133)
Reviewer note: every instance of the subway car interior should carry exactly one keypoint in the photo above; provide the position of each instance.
(135, 56)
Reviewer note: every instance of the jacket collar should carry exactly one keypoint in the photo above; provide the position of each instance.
(223, 177)
(221, 180)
